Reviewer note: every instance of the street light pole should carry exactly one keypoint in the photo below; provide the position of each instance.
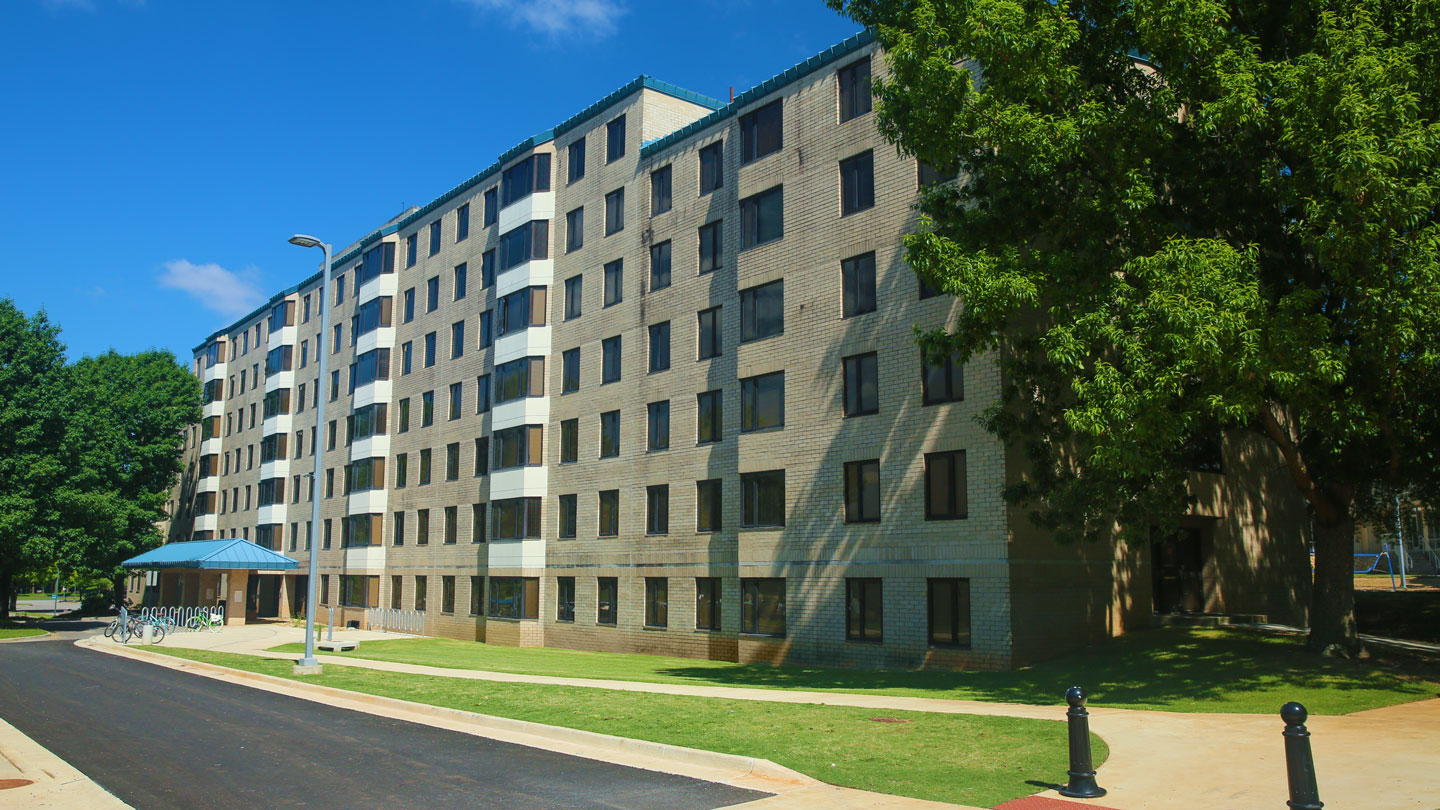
(308, 665)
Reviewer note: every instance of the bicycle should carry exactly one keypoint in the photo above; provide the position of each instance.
(207, 620)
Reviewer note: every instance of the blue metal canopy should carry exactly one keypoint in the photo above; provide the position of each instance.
(233, 552)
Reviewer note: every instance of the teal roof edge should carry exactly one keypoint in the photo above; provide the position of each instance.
(826, 57)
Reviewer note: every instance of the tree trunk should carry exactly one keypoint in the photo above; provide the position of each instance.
(5, 595)
(1332, 604)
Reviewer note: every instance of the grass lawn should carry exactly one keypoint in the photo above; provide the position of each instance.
(980, 761)
(1167, 669)
(16, 631)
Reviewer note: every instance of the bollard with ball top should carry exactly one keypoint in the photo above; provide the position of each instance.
(1299, 762)
(1082, 773)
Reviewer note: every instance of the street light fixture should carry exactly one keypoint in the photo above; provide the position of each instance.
(308, 665)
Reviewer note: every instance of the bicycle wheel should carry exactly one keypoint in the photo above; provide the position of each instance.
(159, 633)
(195, 624)
(110, 631)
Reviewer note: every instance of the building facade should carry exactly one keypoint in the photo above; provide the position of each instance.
(649, 383)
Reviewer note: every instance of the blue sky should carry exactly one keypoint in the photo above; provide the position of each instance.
(157, 153)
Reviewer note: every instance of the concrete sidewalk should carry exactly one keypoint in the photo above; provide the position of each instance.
(1158, 760)
(32, 777)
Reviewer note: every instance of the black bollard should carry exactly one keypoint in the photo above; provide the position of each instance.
(1299, 763)
(1082, 773)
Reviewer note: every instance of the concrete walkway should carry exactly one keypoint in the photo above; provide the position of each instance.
(1382, 759)
(1422, 647)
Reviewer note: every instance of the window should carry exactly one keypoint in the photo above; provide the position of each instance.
(477, 520)
(576, 160)
(457, 340)
(410, 246)
(569, 441)
(762, 499)
(482, 456)
(854, 89)
(660, 347)
(657, 602)
(943, 382)
(762, 311)
(447, 594)
(519, 446)
(949, 612)
(660, 191)
(575, 230)
(357, 590)
(452, 464)
(402, 469)
(614, 282)
(524, 178)
(607, 593)
(573, 289)
(858, 282)
(487, 268)
(518, 379)
(712, 167)
(708, 416)
(421, 588)
(615, 140)
(660, 266)
(397, 591)
(370, 316)
(760, 132)
(862, 385)
(422, 527)
(945, 485)
(482, 393)
(927, 175)
(520, 245)
(864, 613)
(487, 331)
(432, 293)
(762, 217)
(434, 237)
(361, 530)
(710, 247)
(609, 434)
(862, 491)
(568, 511)
(522, 309)
(458, 281)
(514, 597)
(657, 509)
(707, 603)
(424, 466)
(659, 435)
(492, 208)
(369, 367)
(328, 535)
(709, 333)
(610, 359)
(398, 536)
(339, 298)
(762, 607)
(615, 211)
(410, 305)
(477, 595)
(516, 518)
(407, 357)
(707, 505)
(404, 417)
(762, 402)
(565, 599)
(609, 513)
(570, 371)
(427, 409)
(462, 223)
(857, 183)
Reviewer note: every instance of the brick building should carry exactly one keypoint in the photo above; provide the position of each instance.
(649, 383)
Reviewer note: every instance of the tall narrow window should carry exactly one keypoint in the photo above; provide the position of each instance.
(659, 433)
(614, 282)
(708, 505)
(615, 140)
(432, 293)
(657, 602)
(660, 190)
(609, 525)
(569, 441)
(949, 612)
(482, 393)
(458, 281)
(710, 247)
(457, 340)
(462, 223)
(762, 311)
(568, 512)
(477, 595)
(762, 499)
(862, 384)
(607, 594)
(945, 496)
(609, 434)
(576, 160)
(864, 610)
(411, 244)
(477, 523)
(610, 359)
(657, 509)
(857, 183)
(762, 402)
(492, 206)
(573, 291)
(410, 305)
(482, 456)
(660, 266)
(712, 167)
(709, 333)
(862, 491)
(708, 410)
(565, 599)
(858, 282)
(659, 347)
(762, 217)
(760, 132)
(615, 211)
(575, 230)
(570, 371)
(434, 237)
(707, 603)
(854, 89)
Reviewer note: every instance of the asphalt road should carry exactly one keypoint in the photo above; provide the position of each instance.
(161, 739)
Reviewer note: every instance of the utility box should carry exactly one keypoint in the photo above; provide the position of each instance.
(337, 646)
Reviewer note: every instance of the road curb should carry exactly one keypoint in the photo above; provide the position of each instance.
(750, 772)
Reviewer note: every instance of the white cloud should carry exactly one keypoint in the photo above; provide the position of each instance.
(227, 292)
(556, 17)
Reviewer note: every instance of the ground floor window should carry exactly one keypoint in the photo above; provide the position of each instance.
(607, 595)
(863, 610)
(447, 594)
(514, 597)
(358, 590)
(422, 588)
(762, 606)
(397, 590)
(325, 589)
(565, 599)
(657, 602)
(707, 603)
(477, 594)
(949, 608)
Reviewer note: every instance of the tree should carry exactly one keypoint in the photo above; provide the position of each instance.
(126, 420)
(31, 433)
(1182, 215)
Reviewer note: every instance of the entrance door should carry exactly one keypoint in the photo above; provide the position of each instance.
(1179, 565)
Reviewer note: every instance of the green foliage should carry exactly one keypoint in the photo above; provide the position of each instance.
(1237, 231)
